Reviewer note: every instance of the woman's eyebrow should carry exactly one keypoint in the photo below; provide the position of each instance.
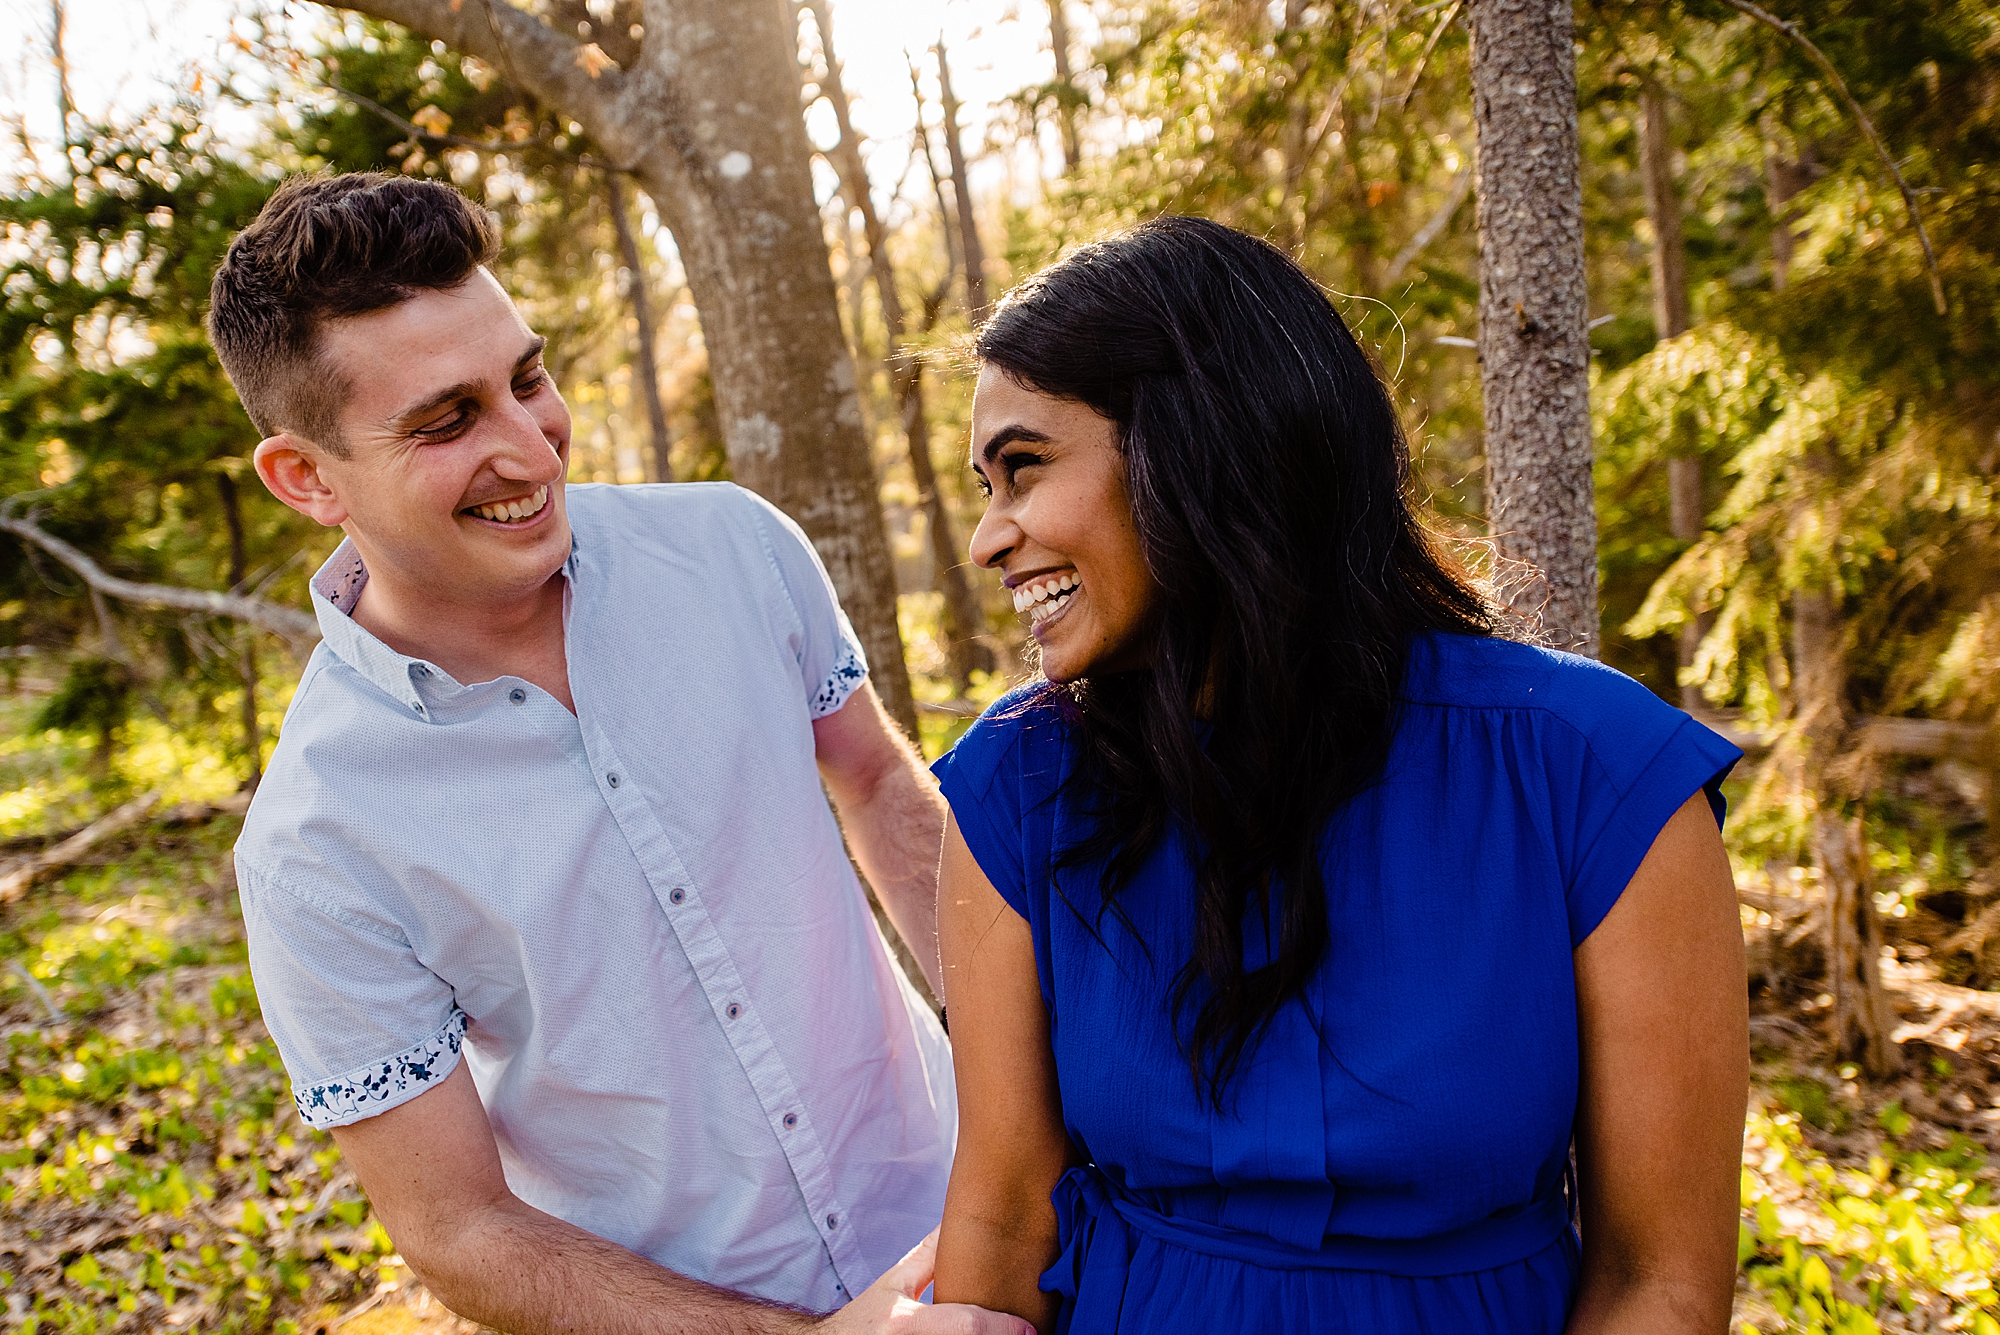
(1007, 435)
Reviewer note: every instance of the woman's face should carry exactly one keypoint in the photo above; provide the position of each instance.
(1058, 526)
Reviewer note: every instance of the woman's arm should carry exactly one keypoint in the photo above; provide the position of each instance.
(999, 1228)
(1663, 1016)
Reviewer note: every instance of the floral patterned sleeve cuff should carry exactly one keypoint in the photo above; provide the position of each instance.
(368, 1091)
(849, 671)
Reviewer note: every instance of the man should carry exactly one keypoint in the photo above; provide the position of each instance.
(547, 912)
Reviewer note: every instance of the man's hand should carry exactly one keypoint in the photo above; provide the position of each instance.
(432, 1172)
(890, 1305)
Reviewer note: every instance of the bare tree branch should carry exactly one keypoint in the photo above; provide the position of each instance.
(415, 131)
(285, 621)
(1417, 75)
(1454, 200)
(1791, 30)
(534, 57)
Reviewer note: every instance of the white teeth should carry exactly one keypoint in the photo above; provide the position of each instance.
(1043, 611)
(1047, 596)
(509, 511)
(1039, 594)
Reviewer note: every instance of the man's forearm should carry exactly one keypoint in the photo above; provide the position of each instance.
(896, 833)
(514, 1268)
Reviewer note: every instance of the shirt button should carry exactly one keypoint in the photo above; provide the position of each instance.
(416, 706)
(733, 1011)
(611, 779)
(517, 695)
(676, 895)
(833, 1221)
(791, 1120)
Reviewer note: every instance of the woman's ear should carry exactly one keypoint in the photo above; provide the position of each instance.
(290, 467)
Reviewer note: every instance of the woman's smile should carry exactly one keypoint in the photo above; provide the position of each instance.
(1058, 522)
(1046, 597)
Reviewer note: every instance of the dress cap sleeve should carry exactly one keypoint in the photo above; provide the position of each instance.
(986, 778)
(1642, 759)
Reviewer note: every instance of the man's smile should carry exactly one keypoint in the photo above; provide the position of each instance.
(516, 511)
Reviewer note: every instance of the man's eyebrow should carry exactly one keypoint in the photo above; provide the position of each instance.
(464, 389)
(1007, 435)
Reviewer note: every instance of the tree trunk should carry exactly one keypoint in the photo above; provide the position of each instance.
(707, 118)
(59, 58)
(963, 622)
(1534, 346)
(646, 365)
(239, 572)
(1296, 139)
(1783, 179)
(1663, 210)
(1671, 319)
(1860, 1020)
(961, 186)
(952, 259)
(1067, 96)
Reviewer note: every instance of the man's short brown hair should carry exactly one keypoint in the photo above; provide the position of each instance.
(326, 248)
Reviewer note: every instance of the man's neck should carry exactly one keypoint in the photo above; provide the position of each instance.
(517, 637)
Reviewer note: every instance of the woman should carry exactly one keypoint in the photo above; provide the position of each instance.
(1297, 924)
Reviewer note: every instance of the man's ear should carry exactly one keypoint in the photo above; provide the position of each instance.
(290, 467)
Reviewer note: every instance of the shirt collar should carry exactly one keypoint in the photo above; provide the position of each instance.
(337, 588)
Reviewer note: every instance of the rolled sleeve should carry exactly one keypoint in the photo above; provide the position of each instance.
(363, 1026)
(831, 664)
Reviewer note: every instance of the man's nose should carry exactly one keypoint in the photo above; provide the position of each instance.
(523, 448)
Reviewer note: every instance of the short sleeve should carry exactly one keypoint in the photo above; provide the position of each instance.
(363, 1026)
(1639, 762)
(831, 664)
(984, 778)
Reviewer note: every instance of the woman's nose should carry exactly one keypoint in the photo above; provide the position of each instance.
(993, 537)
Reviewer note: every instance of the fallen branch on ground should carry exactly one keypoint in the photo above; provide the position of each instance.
(288, 622)
(1935, 739)
(69, 850)
(181, 813)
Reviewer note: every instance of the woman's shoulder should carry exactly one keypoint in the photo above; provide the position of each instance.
(1489, 673)
(1012, 734)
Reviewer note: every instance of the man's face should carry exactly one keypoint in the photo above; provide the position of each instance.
(457, 446)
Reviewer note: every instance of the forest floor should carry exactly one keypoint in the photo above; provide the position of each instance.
(154, 1175)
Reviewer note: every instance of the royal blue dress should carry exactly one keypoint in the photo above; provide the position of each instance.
(1391, 1158)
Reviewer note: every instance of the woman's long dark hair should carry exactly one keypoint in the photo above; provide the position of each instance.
(1270, 484)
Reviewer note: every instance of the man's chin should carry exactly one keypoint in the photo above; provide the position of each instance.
(511, 568)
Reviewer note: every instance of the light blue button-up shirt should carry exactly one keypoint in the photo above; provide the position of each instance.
(637, 923)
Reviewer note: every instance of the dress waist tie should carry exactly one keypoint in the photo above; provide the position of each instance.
(1097, 1221)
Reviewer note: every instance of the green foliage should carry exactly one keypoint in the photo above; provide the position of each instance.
(1833, 1251)
(152, 1170)
(118, 430)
